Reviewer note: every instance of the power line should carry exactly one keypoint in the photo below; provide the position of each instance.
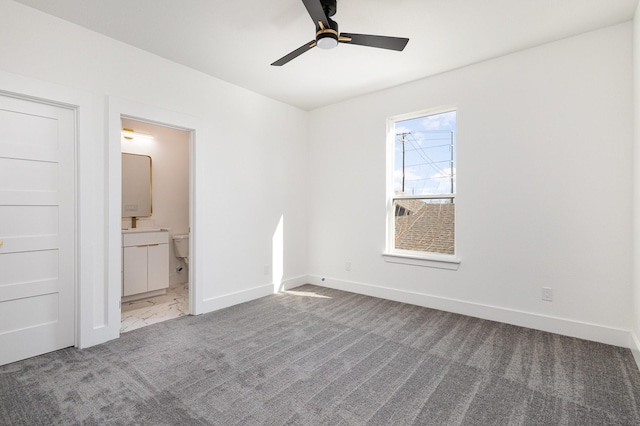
(420, 151)
(424, 155)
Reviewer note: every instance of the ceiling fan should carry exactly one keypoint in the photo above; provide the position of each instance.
(327, 36)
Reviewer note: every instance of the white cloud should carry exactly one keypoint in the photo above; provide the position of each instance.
(444, 121)
(444, 180)
(402, 129)
(409, 175)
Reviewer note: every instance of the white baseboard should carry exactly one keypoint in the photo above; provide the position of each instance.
(230, 299)
(563, 326)
(98, 335)
(294, 282)
(634, 345)
(566, 327)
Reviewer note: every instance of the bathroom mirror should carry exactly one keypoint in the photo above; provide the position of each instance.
(136, 185)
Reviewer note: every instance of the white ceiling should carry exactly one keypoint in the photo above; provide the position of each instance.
(237, 40)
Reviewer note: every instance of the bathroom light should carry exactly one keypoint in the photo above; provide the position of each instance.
(131, 134)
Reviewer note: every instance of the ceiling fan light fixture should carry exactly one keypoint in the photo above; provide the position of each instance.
(328, 36)
(327, 41)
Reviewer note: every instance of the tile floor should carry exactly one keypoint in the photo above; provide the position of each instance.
(144, 312)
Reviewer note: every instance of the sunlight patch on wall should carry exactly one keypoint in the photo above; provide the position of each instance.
(277, 250)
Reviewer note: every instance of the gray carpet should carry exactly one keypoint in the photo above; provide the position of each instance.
(318, 356)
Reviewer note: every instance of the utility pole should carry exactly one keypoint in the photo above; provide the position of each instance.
(451, 163)
(404, 139)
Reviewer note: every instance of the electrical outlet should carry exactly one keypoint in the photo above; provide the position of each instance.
(547, 294)
(267, 269)
(347, 266)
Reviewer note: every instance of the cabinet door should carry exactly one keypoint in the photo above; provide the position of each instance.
(158, 267)
(135, 270)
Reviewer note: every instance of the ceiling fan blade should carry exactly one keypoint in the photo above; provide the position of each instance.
(382, 42)
(314, 7)
(299, 51)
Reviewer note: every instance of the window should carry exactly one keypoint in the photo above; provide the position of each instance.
(422, 186)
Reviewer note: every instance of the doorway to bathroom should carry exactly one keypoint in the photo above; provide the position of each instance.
(156, 165)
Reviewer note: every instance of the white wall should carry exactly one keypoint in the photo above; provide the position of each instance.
(169, 152)
(248, 156)
(635, 338)
(544, 189)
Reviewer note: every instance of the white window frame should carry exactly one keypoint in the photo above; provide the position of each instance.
(410, 257)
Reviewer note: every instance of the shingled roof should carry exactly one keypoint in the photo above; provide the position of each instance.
(422, 226)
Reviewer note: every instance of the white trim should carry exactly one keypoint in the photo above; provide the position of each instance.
(231, 299)
(424, 112)
(563, 326)
(424, 197)
(634, 345)
(431, 260)
(294, 282)
(119, 108)
(86, 151)
(195, 275)
(391, 254)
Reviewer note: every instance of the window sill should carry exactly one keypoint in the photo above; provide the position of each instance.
(441, 261)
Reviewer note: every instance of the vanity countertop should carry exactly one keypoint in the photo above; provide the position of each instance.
(135, 230)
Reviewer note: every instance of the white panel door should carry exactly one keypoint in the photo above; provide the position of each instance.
(37, 222)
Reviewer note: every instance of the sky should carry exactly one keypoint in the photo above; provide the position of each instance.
(428, 155)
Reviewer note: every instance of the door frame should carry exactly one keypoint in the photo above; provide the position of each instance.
(87, 155)
(122, 108)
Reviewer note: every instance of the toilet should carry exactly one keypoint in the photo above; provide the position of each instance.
(181, 246)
